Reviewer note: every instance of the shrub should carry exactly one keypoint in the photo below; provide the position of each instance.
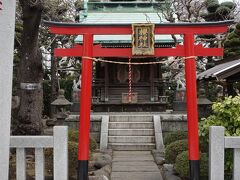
(203, 144)
(238, 26)
(174, 136)
(212, 7)
(182, 164)
(228, 4)
(73, 136)
(226, 114)
(72, 158)
(175, 148)
(223, 11)
(93, 145)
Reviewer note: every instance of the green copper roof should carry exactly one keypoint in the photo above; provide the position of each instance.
(126, 39)
(123, 18)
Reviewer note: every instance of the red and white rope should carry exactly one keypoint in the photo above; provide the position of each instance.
(129, 81)
(137, 63)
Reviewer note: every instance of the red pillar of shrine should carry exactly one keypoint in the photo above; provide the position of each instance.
(192, 112)
(85, 107)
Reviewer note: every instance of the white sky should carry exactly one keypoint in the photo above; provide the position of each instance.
(229, 0)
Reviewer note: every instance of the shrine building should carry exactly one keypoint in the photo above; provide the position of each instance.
(111, 81)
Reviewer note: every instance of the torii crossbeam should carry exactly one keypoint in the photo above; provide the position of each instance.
(188, 50)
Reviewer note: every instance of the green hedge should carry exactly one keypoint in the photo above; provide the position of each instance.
(174, 136)
(182, 164)
(73, 137)
(175, 148)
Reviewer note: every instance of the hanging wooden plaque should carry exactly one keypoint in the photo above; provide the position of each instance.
(143, 39)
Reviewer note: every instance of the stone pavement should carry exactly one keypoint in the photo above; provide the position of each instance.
(134, 165)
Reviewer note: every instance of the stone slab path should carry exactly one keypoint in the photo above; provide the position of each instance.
(134, 165)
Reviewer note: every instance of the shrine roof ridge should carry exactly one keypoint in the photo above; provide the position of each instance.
(69, 24)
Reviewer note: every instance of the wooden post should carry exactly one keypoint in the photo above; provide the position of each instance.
(106, 77)
(151, 83)
(192, 113)
(85, 108)
(7, 27)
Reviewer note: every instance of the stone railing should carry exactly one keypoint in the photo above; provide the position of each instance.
(59, 143)
(217, 143)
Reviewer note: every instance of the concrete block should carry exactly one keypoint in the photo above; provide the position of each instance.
(21, 164)
(60, 158)
(104, 133)
(174, 126)
(39, 164)
(216, 153)
(158, 132)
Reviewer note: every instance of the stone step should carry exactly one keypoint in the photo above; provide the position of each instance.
(133, 163)
(131, 146)
(131, 132)
(135, 168)
(130, 153)
(131, 125)
(136, 175)
(131, 119)
(131, 139)
(133, 158)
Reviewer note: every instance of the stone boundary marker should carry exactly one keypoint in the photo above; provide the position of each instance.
(217, 143)
(7, 27)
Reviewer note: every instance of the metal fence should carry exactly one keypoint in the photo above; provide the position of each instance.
(217, 143)
(59, 143)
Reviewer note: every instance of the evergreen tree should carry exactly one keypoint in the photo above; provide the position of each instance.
(232, 43)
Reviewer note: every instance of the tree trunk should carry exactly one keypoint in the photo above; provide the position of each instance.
(30, 111)
(54, 79)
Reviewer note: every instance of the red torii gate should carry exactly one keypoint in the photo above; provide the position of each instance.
(88, 50)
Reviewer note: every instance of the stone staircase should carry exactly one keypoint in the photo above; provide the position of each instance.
(131, 133)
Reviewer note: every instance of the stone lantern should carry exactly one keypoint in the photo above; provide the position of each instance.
(61, 104)
(204, 104)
